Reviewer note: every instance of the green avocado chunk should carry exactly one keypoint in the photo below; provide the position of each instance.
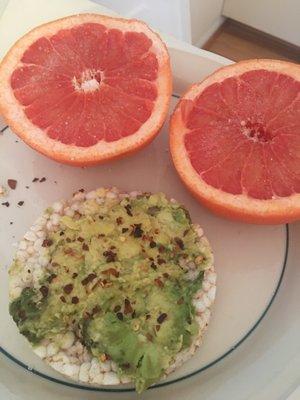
(118, 277)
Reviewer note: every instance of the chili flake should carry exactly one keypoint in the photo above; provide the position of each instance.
(12, 183)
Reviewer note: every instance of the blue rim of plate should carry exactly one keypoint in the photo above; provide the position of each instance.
(161, 384)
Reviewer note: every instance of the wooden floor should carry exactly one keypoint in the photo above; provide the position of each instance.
(239, 42)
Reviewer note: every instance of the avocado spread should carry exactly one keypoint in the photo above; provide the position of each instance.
(118, 278)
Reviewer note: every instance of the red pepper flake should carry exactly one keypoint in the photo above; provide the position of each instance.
(96, 310)
(80, 239)
(111, 271)
(161, 249)
(12, 183)
(68, 288)
(85, 247)
(110, 256)
(119, 221)
(159, 283)
(77, 215)
(74, 275)
(104, 283)
(42, 179)
(35, 179)
(127, 307)
(47, 243)
(54, 264)
(69, 251)
(162, 318)
(120, 316)
(179, 243)
(137, 231)
(6, 204)
(86, 315)
(75, 300)
(89, 279)
(153, 211)
(149, 337)
(44, 290)
(4, 129)
(128, 210)
(153, 266)
(62, 299)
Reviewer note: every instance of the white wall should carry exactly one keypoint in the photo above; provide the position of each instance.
(193, 21)
(280, 18)
(205, 19)
(168, 16)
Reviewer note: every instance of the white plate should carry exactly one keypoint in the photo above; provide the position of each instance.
(250, 259)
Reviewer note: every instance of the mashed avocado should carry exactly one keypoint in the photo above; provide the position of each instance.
(118, 278)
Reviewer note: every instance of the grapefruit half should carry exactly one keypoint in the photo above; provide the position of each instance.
(86, 88)
(235, 141)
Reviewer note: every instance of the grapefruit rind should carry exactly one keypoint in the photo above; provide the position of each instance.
(13, 113)
(234, 206)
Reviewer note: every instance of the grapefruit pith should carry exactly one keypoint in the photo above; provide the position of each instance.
(86, 88)
(235, 141)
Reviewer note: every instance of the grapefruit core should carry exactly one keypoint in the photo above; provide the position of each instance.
(235, 141)
(86, 88)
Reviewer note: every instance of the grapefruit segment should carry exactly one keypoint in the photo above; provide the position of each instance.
(69, 122)
(87, 88)
(136, 86)
(235, 141)
(226, 174)
(255, 178)
(287, 149)
(283, 184)
(214, 147)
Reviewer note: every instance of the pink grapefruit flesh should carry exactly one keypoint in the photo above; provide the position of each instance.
(86, 88)
(235, 141)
